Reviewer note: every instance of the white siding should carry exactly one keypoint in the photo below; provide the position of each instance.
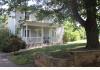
(11, 22)
(19, 16)
(60, 33)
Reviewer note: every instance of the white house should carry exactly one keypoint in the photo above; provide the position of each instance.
(34, 32)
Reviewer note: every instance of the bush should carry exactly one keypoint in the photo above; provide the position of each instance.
(73, 32)
(4, 36)
(10, 42)
(14, 44)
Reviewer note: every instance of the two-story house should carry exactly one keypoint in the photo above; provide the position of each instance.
(34, 32)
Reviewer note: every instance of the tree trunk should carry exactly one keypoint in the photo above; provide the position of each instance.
(92, 34)
(91, 28)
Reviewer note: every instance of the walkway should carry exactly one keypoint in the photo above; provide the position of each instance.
(5, 62)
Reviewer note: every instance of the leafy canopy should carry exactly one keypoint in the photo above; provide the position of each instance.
(58, 10)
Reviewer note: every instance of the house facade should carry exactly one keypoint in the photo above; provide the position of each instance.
(34, 32)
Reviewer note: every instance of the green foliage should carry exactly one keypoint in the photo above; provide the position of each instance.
(3, 19)
(14, 44)
(4, 36)
(72, 32)
(9, 42)
(22, 59)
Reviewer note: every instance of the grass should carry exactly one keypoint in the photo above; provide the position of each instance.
(27, 57)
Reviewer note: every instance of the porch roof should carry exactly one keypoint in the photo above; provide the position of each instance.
(40, 24)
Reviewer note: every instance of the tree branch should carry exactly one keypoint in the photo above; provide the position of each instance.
(74, 9)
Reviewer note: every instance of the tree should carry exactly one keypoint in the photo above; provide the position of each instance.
(86, 12)
(90, 24)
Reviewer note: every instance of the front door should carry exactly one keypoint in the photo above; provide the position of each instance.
(46, 35)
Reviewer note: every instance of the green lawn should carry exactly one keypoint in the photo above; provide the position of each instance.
(27, 57)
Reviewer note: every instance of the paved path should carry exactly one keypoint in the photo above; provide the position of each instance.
(5, 62)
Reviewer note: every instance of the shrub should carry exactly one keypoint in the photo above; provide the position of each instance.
(14, 44)
(4, 36)
(73, 32)
(10, 42)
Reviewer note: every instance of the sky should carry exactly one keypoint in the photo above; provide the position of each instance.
(39, 2)
(31, 2)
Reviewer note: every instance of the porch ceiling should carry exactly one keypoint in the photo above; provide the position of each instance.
(40, 24)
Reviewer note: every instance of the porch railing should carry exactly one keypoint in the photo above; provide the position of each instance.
(35, 40)
(32, 40)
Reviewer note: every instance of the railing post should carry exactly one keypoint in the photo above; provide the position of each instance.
(42, 35)
(50, 35)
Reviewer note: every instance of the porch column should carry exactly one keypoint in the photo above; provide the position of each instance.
(42, 34)
(26, 34)
(22, 32)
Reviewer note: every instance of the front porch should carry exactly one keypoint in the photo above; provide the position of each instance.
(37, 35)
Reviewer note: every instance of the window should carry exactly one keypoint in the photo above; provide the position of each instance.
(28, 33)
(53, 32)
(34, 33)
(39, 32)
(27, 16)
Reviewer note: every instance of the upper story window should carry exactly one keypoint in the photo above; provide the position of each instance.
(27, 16)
